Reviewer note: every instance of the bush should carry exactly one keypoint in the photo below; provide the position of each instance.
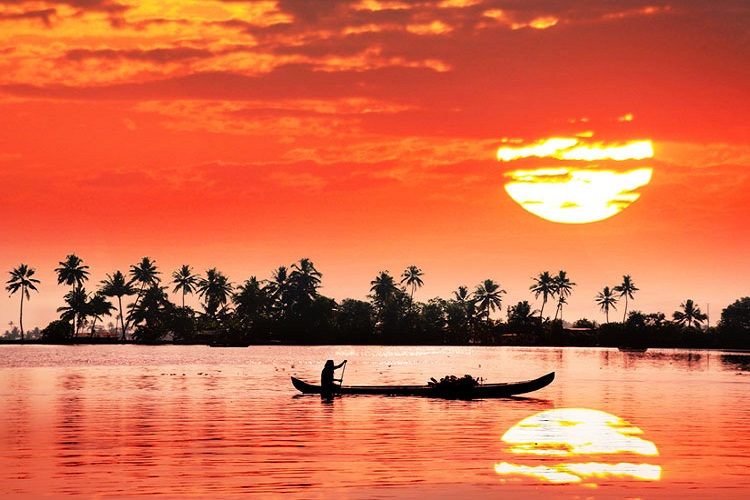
(58, 331)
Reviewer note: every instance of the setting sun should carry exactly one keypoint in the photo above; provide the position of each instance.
(575, 196)
(572, 192)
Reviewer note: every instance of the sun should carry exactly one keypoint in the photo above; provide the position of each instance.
(578, 445)
(578, 182)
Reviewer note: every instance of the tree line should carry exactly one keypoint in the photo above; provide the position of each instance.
(288, 308)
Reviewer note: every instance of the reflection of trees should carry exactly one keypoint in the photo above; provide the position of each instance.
(692, 361)
(736, 361)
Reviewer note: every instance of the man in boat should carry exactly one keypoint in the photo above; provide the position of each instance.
(327, 382)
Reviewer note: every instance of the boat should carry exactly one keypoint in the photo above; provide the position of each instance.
(481, 391)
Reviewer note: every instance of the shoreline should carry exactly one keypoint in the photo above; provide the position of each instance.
(624, 349)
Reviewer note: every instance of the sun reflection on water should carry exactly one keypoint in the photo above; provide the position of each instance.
(552, 444)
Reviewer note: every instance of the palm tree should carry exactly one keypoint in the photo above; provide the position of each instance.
(488, 297)
(76, 309)
(145, 273)
(690, 313)
(278, 287)
(149, 313)
(626, 289)
(462, 295)
(563, 289)
(304, 281)
(116, 286)
(606, 300)
(74, 273)
(22, 278)
(544, 285)
(185, 281)
(216, 290)
(251, 299)
(97, 307)
(383, 288)
(461, 315)
(412, 277)
(521, 314)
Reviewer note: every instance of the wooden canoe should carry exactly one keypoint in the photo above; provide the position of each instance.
(483, 391)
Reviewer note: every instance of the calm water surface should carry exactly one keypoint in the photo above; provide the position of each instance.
(195, 421)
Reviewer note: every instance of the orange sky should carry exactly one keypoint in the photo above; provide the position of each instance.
(245, 135)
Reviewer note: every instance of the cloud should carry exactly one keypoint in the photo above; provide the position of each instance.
(158, 55)
(43, 15)
(460, 71)
(108, 6)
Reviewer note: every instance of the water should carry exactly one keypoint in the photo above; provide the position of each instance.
(195, 421)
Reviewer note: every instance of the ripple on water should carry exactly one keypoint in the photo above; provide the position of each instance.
(191, 420)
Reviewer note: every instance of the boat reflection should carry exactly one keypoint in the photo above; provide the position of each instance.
(578, 445)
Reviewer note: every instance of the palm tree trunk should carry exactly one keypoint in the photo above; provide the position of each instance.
(135, 305)
(76, 325)
(625, 312)
(122, 321)
(20, 320)
(541, 311)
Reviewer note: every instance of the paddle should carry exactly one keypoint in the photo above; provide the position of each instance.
(341, 380)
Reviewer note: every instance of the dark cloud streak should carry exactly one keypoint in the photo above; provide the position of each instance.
(43, 15)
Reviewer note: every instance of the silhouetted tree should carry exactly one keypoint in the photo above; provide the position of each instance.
(76, 309)
(690, 313)
(151, 315)
(184, 281)
(544, 285)
(116, 286)
(22, 279)
(521, 318)
(97, 307)
(74, 273)
(216, 290)
(488, 297)
(251, 300)
(735, 317)
(412, 278)
(355, 320)
(563, 289)
(303, 284)
(58, 331)
(626, 289)
(278, 288)
(460, 316)
(606, 300)
(734, 326)
(383, 289)
(431, 322)
(584, 323)
(391, 304)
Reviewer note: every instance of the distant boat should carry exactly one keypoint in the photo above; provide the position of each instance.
(482, 391)
(229, 344)
(633, 349)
